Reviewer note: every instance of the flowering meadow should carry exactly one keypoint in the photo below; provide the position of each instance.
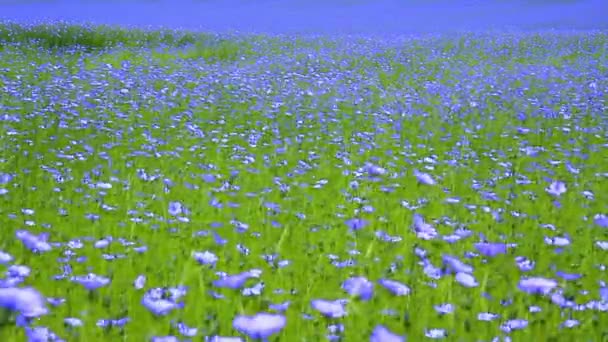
(164, 185)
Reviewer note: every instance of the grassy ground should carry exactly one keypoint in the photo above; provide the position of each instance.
(135, 150)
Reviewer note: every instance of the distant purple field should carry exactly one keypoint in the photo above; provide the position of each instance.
(386, 16)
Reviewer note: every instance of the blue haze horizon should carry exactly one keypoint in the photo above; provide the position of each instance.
(327, 17)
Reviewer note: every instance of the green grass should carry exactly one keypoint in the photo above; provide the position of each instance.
(94, 38)
(230, 89)
(52, 36)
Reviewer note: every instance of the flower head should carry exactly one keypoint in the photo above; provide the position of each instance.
(175, 208)
(466, 279)
(359, 287)
(259, 326)
(423, 230)
(424, 178)
(395, 287)
(140, 282)
(356, 223)
(556, 188)
(236, 281)
(36, 243)
(455, 265)
(374, 170)
(91, 281)
(205, 258)
(330, 308)
(601, 220)
(159, 306)
(537, 285)
(382, 334)
(26, 301)
(491, 249)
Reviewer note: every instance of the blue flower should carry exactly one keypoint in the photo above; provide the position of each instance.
(223, 339)
(356, 223)
(601, 220)
(236, 281)
(109, 323)
(18, 271)
(424, 178)
(556, 188)
(359, 287)
(164, 339)
(466, 279)
(395, 287)
(140, 282)
(559, 241)
(514, 324)
(255, 290)
(26, 301)
(205, 258)
(382, 235)
(374, 170)
(91, 281)
(445, 308)
(259, 326)
(487, 316)
(185, 330)
(455, 265)
(524, 264)
(490, 249)
(423, 230)
(40, 334)
(537, 285)
(35, 243)
(103, 243)
(279, 307)
(382, 334)
(160, 307)
(5, 258)
(570, 323)
(330, 308)
(175, 208)
(435, 333)
(73, 322)
(568, 276)
(5, 178)
(209, 178)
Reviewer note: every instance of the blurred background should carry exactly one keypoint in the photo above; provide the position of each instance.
(322, 16)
